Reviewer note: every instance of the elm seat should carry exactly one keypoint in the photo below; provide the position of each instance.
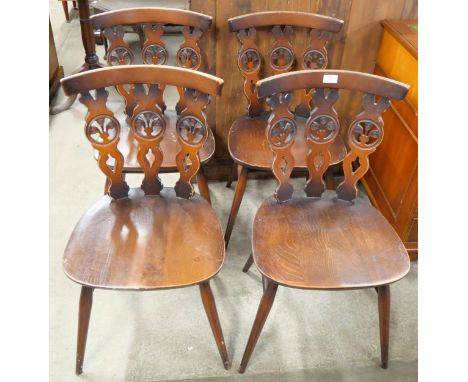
(248, 144)
(325, 243)
(128, 146)
(135, 243)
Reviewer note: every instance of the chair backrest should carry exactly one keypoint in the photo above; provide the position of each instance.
(365, 132)
(152, 21)
(281, 56)
(148, 123)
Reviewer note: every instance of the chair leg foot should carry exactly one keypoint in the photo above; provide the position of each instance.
(65, 10)
(262, 314)
(231, 175)
(248, 264)
(384, 322)
(203, 185)
(238, 194)
(210, 309)
(86, 302)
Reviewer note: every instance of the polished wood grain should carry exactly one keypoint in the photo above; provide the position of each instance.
(133, 243)
(325, 239)
(142, 74)
(325, 243)
(248, 145)
(149, 237)
(151, 15)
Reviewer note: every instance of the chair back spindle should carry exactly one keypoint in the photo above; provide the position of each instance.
(148, 123)
(365, 132)
(281, 57)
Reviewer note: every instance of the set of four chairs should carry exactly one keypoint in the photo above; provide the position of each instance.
(155, 237)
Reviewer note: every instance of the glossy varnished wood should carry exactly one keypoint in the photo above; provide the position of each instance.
(248, 145)
(134, 243)
(86, 303)
(128, 146)
(325, 243)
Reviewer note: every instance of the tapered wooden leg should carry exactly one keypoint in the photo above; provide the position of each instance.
(65, 10)
(212, 313)
(384, 322)
(86, 301)
(262, 314)
(248, 264)
(203, 185)
(238, 194)
(231, 175)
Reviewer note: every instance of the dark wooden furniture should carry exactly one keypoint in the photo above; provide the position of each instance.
(325, 240)
(147, 238)
(247, 142)
(55, 69)
(392, 180)
(152, 22)
(65, 9)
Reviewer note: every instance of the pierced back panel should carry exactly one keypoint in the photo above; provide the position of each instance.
(281, 57)
(152, 22)
(148, 123)
(365, 133)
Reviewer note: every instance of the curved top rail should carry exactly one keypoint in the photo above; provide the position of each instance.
(300, 19)
(142, 74)
(333, 79)
(151, 15)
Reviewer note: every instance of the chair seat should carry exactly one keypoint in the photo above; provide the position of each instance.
(249, 147)
(128, 146)
(327, 243)
(145, 242)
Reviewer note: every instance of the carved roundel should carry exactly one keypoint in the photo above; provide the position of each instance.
(120, 56)
(366, 134)
(188, 58)
(191, 130)
(249, 60)
(281, 58)
(148, 125)
(322, 129)
(314, 59)
(154, 54)
(282, 133)
(102, 130)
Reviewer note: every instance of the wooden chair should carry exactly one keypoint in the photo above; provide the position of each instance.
(325, 240)
(151, 22)
(246, 141)
(131, 238)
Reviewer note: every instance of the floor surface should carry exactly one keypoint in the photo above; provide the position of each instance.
(165, 335)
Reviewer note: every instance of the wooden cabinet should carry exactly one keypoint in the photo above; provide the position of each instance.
(392, 180)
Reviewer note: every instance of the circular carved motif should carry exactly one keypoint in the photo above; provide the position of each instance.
(366, 134)
(120, 56)
(188, 58)
(102, 130)
(281, 58)
(148, 124)
(282, 132)
(191, 130)
(249, 60)
(314, 59)
(322, 129)
(154, 54)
